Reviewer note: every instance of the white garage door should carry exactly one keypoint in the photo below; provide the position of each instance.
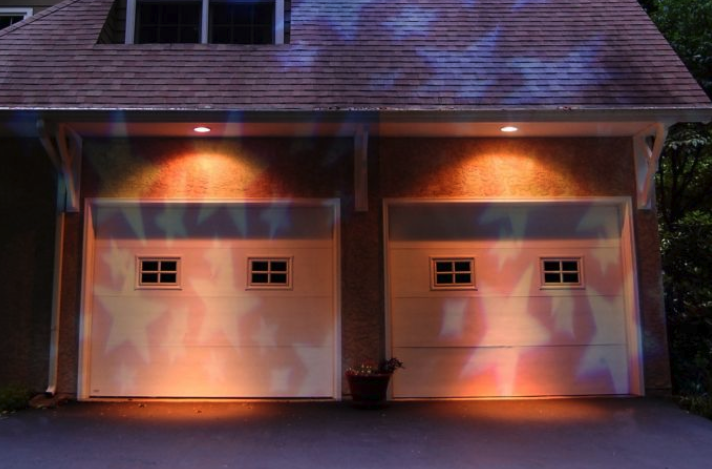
(212, 301)
(510, 299)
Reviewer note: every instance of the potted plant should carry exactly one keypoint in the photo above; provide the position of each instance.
(368, 382)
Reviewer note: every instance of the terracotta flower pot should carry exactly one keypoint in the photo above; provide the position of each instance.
(368, 390)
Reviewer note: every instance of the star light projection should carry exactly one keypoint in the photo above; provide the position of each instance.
(510, 336)
(211, 336)
(507, 71)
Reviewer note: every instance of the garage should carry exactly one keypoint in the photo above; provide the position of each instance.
(500, 299)
(210, 300)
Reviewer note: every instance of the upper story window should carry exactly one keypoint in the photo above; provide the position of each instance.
(10, 16)
(205, 21)
(167, 22)
(241, 22)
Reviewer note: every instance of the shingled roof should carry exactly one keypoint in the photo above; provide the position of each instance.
(362, 55)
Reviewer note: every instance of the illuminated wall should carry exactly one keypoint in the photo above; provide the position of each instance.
(538, 168)
(210, 169)
(150, 169)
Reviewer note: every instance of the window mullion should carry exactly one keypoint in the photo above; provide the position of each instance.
(204, 22)
(279, 22)
(130, 21)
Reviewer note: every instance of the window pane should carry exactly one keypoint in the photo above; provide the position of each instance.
(263, 13)
(150, 13)
(551, 266)
(279, 278)
(220, 14)
(169, 278)
(168, 34)
(169, 265)
(443, 266)
(444, 279)
(171, 15)
(189, 35)
(149, 265)
(221, 35)
(463, 278)
(241, 35)
(168, 22)
(552, 278)
(241, 13)
(262, 35)
(571, 278)
(462, 266)
(279, 266)
(7, 20)
(260, 278)
(249, 22)
(190, 13)
(570, 266)
(149, 278)
(147, 35)
(260, 266)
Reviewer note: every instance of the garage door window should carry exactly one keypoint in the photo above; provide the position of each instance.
(452, 273)
(562, 272)
(158, 272)
(272, 273)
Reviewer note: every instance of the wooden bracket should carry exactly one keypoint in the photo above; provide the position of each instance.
(647, 146)
(64, 148)
(361, 168)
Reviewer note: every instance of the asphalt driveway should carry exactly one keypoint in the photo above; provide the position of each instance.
(502, 434)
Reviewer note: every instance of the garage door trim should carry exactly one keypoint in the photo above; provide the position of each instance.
(88, 249)
(630, 287)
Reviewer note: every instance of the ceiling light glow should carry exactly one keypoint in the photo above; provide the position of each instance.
(509, 128)
(202, 129)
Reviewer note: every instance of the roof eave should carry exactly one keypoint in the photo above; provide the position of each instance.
(563, 121)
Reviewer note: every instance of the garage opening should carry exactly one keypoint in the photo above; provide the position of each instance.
(499, 299)
(210, 300)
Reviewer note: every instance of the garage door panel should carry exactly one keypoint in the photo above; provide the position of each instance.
(262, 322)
(517, 321)
(476, 221)
(505, 271)
(509, 334)
(212, 334)
(208, 221)
(511, 371)
(219, 269)
(218, 372)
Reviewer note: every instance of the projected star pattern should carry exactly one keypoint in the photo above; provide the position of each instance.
(562, 316)
(510, 337)
(211, 338)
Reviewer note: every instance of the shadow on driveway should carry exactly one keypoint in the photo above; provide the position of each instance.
(502, 434)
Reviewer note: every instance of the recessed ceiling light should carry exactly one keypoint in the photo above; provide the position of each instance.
(509, 128)
(202, 129)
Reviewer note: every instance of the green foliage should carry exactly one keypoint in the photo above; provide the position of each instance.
(701, 405)
(685, 209)
(13, 397)
(685, 215)
(685, 24)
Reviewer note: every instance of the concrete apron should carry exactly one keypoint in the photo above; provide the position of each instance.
(551, 433)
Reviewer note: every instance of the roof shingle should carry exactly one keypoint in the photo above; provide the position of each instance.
(360, 54)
